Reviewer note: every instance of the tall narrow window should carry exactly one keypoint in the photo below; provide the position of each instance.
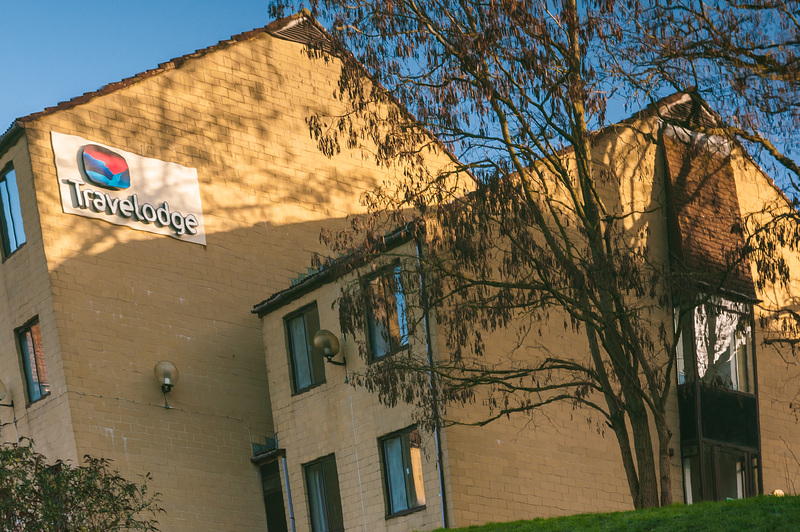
(307, 364)
(30, 344)
(717, 402)
(402, 467)
(387, 328)
(11, 215)
(324, 502)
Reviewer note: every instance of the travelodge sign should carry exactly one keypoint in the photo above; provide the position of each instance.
(99, 181)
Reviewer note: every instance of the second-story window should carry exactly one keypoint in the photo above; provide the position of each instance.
(723, 345)
(307, 364)
(717, 339)
(11, 216)
(387, 328)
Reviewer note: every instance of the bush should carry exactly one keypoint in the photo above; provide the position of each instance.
(39, 496)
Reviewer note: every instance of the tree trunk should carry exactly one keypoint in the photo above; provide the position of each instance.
(645, 457)
(621, 432)
(665, 464)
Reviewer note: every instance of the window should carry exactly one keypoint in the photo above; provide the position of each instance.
(30, 345)
(387, 328)
(402, 471)
(717, 403)
(307, 363)
(11, 215)
(723, 344)
(725, 473)
(324, 503)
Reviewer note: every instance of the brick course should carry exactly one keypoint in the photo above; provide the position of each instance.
(112, 301)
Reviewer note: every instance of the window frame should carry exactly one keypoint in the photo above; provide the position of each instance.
(702, 470)
(26, 362)
(688, 359)
(7, 248)
(398, 329)
(331, 492)
(316, 361)
(719, 411)
(408, 479)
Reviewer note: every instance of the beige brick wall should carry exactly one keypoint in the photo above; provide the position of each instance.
(777, 362)
(336, 417)
(25, 294)
(124, 299)
(560, 460)
(778, 378)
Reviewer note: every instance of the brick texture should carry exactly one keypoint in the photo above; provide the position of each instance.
(113, 301)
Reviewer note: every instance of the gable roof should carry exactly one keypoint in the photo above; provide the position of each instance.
(300, 27)
(703, 213)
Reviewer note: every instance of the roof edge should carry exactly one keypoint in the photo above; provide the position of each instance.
(166, 66)
(336, 269)
(11, 136)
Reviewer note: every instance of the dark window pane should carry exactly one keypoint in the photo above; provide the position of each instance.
(316, 498)
(307, 364)
(400, 304)
(332, 497)
(273, 498)
(300, 352)
(709, 485)
(395, 475)
(754, 472)
(13, 232)
(379, 339)
(387, 325)
(324, 502)
(402, 466)
(30, 343)
(731, 476)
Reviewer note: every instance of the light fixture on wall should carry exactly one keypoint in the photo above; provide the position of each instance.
(167, 374)
(4, 394)
(327, 341)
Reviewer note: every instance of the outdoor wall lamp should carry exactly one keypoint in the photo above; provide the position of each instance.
(4, 394)
(327, 341)
(167, 375)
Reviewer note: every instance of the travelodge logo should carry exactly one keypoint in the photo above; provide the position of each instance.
(127, 189)
(104, 167)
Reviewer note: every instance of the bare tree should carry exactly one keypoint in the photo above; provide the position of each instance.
(518, 93)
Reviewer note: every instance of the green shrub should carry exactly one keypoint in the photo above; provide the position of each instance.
(58, 497)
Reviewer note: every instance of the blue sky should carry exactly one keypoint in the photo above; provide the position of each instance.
(51, 51)
(54, 50)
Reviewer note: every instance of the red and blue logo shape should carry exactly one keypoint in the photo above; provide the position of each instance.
(105, 168)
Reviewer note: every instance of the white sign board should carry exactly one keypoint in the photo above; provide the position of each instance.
(98, 181)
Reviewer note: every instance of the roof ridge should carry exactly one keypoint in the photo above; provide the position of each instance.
(273, 28)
